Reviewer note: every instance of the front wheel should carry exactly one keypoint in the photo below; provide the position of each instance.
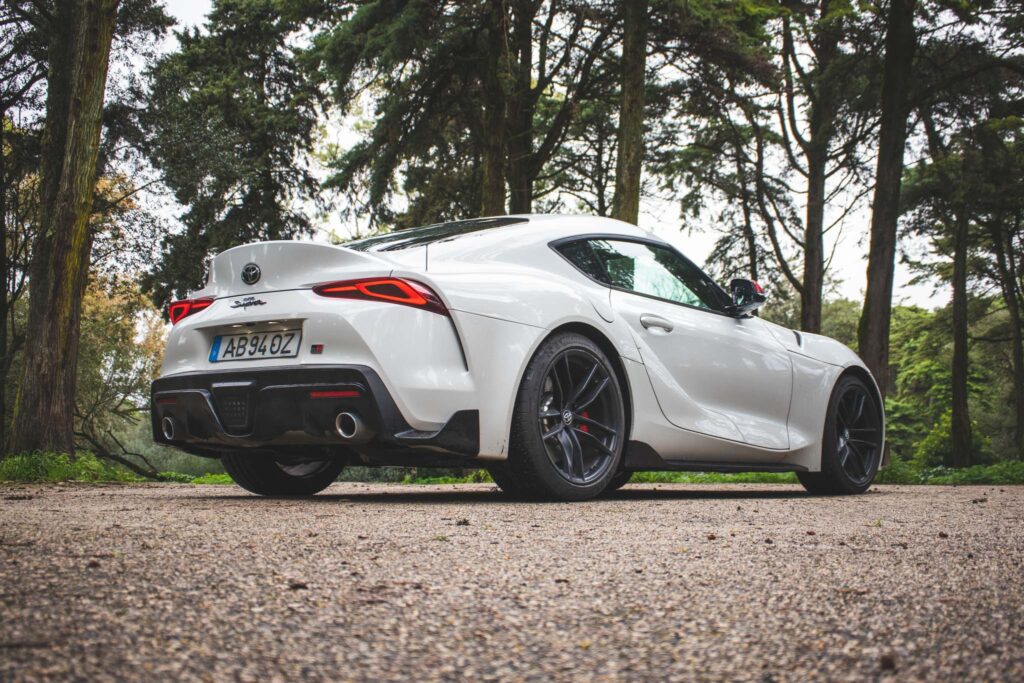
(272, 475)
(851, 449)
(568, 428)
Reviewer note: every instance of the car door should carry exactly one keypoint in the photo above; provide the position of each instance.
(712, 373)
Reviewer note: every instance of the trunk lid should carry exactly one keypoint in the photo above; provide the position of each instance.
(287, 265)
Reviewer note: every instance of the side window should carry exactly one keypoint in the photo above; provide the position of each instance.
(582, 255)
(646, 269)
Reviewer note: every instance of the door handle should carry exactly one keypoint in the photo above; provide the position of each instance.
(648, 321)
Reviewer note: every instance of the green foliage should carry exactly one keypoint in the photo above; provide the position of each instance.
(714, 478)
(472, 477)
(232, 114)
(215, 479)
(898, 471)
(1006, 472)
(42, 467)
(936, 448)
(174, 477)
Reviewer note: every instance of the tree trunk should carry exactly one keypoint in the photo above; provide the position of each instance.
(520, 112)
(814, 238)
(1006, 261)
(626, 201)
(3, 287)
(873, 331)
(822, 129)
(492, 190)
(79, 51)
(961, 420)
(749, 236)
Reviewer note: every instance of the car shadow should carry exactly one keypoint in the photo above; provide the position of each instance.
(493, 496)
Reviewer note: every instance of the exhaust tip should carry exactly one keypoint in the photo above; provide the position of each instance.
(169, 428)
(351, 428)
(347, 425)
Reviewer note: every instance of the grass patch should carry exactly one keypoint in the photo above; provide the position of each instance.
(714, 478)
(86, 467)
(214, 479)
(470, 477)
(36, 467)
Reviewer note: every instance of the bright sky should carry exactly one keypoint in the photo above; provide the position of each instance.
(850, 253)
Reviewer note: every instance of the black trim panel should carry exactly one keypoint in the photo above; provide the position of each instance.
(641, 456)
(272, 408)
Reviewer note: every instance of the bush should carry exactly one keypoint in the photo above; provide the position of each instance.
(899, 471)
(174, 477)
(1006, 472)
(714, 478)
(936, 449)
(215, 479)
(39, 467)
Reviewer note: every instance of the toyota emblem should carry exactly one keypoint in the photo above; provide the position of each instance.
(250, 274)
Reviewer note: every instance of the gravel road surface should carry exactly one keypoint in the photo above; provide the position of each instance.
(382, 582)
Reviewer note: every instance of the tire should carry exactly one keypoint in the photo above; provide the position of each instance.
(264, 475)
(507, 481)
(618, 481)
(568, 424)
(851, 450)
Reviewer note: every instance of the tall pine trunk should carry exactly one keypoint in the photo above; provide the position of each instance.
(492, 189)
(822, 131)
(520, 112)
(873, 331)
(4, 272)
(79, 50)
(1006, 262)
(961, 419)
(814, 238)
(628, 167)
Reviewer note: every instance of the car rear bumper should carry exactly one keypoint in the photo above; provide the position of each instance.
(294, 407)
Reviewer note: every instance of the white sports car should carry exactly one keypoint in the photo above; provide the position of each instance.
(561, 353)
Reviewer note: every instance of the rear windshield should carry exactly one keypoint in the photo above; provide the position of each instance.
(414, 237)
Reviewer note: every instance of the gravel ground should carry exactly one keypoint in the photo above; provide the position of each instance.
(383, 582)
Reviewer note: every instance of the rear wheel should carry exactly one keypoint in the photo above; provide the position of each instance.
(273, 475)
(851, 449)
(618, 481)
(568, 428)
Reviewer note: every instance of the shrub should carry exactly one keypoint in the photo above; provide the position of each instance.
(899, 471)
(215, 479)
(936, 449)
(40, 466)
(175, 477)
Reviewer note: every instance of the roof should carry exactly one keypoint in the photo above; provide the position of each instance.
(540, 227)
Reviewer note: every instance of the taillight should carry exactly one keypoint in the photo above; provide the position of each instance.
(392, 290)
(186, 307)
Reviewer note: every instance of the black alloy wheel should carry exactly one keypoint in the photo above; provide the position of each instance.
(852, 442)
(568, 426)
(858, 434)
(580, 419)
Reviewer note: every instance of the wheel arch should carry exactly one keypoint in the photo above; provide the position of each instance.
(614, 357)
(865, 376)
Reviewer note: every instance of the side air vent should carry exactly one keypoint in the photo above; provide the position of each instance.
(799, 339)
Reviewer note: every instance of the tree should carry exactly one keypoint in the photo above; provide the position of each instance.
(874, 324)
(79, 40)
(232, 118)
(48, 68)
(438, 75)
(626, 202)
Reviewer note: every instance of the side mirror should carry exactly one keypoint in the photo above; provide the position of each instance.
(747, 297)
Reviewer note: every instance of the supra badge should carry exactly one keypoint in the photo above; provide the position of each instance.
(247, 302)
(251, 273)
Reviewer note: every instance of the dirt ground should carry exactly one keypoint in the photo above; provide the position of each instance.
(386, 582)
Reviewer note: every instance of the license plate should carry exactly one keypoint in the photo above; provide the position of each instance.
(256, 345)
